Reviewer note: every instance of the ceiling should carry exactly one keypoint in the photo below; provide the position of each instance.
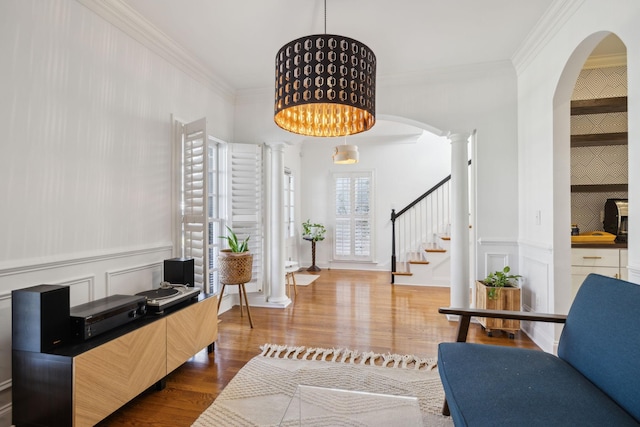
(238, 40)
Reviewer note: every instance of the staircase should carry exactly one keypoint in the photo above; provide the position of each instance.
(428, 266)
(420, 253)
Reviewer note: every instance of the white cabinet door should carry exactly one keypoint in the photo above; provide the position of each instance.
(578, 274)
(606, 262)
(595, 257)
(624, 262)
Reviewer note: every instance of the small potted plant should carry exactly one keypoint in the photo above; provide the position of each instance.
(235, 245)
(313, 232)
(500, 279)
(499, 291)
(236, 262)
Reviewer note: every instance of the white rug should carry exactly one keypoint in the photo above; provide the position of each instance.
(303, 279)
(260, 394)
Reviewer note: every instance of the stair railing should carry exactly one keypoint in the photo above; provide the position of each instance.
(418, 223)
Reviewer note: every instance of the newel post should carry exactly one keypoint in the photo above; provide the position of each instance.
(393, 244)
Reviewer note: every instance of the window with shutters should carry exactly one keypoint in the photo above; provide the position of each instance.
(201, 201)
(220, 185)
(246, 203)
(353, 216)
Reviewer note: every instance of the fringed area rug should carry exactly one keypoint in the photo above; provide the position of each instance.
(261, 393)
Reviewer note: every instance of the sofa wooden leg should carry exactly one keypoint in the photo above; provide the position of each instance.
(445, 408)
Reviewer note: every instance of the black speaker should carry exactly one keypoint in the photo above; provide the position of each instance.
(40, 318)
(179, 271)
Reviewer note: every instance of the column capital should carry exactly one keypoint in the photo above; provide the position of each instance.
(458, 136)
(275, 146)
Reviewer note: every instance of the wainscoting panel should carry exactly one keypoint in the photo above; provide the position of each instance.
(495, 254)
(5, 341)
(494, 262)
(535, 285)
(535, 267)
(634, 273)
(5, 410)
(81, 290)
(134, 279)
(5, 359)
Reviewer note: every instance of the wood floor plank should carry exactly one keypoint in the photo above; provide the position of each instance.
(359, 310)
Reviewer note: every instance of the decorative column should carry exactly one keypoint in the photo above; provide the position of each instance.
(275, 238)
(459, 220)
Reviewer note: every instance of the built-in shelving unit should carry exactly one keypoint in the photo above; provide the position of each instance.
(599, 106)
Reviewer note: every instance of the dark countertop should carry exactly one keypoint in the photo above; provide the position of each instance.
(613, 245)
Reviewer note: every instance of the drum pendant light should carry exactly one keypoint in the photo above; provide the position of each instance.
(345, 154)
(325, 86)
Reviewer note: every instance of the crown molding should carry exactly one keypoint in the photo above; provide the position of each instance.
(122, 16)
(550, 23)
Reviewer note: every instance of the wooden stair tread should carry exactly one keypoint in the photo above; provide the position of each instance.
(435, 250)
(445, 237)
(401, 273)
(417, 261)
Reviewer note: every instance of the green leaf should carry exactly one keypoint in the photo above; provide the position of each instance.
(232, 242)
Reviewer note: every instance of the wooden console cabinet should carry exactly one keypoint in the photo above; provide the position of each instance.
(81, 384)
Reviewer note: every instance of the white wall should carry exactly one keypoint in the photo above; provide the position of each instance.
(545, 84)
(85, 163)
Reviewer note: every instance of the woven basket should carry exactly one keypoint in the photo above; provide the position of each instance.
(235, 268)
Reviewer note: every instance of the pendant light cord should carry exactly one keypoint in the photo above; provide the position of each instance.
(325, 16)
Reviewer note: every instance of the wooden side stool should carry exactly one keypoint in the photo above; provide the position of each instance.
(290, 268)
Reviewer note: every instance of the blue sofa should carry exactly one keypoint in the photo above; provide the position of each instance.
(594, 380)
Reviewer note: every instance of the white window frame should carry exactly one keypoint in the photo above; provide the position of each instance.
(289, 205)
(216, 206)
(352, 217)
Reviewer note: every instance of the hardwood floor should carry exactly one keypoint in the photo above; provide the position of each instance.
(359, 310)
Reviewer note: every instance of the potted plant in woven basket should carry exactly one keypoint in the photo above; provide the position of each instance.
(499, 291)
(236, 263)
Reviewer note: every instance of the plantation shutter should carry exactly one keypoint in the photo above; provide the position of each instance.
(194, 202)
(201, 202)
(353, 216)
(247, 203)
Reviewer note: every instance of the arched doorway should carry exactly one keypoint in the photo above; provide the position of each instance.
(590, 164)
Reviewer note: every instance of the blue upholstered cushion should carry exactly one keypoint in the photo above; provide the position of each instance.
(601, 338)
(489, 385)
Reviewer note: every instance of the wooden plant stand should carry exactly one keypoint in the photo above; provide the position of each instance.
(507, 298)
(313, 267)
